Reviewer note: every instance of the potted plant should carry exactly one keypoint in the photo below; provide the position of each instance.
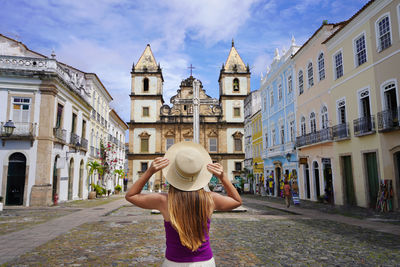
(94, 166)
(117, 189)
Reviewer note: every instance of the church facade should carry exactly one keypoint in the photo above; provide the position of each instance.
(155, 126)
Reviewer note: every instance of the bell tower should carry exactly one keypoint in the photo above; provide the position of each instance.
(234, 86)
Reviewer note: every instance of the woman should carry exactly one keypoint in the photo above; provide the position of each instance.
(187, 208)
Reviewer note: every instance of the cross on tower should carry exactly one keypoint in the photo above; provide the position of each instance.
(196, 102)
(191, 69)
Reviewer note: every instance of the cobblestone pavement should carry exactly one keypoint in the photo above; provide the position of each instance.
(392, 217)
(263, 236)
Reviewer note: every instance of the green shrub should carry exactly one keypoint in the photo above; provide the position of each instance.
(118, 188)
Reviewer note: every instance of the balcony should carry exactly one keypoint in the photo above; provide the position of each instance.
(341, 131)
(84, 144)
(98, 117)
(322, 135)
(115, 140)
(74, 139)
(22, 131)
(60, 135)
(388, 120)
(92, 152)
(109, 137)
(93, 114)
(274, 151)
(102, 120)
(364, 126)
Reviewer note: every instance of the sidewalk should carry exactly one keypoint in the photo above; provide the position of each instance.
(17, 243)
(316, 211)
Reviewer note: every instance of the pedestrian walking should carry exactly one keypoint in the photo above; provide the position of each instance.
(187, 207)
(286, 191)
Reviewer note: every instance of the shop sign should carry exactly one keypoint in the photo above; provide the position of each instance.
(303, 160)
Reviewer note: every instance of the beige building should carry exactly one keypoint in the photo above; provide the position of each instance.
(365, 60)
(314, 141)
(155, 126)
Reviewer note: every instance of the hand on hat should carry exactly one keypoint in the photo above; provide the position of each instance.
(158, 164)
(216, 169)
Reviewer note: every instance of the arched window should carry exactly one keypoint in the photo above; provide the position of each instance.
(236, 85)
(310, 73)
(324, 117)
(303, 126)
(145, 85)
(321, 66)
(301, 82)
(313, 125)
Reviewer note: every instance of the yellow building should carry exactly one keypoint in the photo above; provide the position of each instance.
(365, 60)
(257, 146)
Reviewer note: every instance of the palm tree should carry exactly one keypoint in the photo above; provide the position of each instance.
(95, 166)
(120, 173)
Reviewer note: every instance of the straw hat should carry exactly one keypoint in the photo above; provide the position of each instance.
(187, 170)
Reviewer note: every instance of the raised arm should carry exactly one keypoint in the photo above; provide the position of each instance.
(147, 201)
(233, 200)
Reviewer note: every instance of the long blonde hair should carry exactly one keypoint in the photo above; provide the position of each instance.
(189, 212)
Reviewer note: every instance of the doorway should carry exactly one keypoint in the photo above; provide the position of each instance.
(16, 179)
(55, 178)
(278, 180)
(81, 169)
(316, 179)
(372, 177)
(327, 169)
(397, 174)
(307, 181)
(70, 178)
(348, 183)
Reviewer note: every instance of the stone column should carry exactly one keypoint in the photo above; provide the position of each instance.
(42, 189)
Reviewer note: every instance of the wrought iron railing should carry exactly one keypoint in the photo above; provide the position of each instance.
(364, 125)
(316, 137)
(98, 117)
(60, 134)
(22, 129)
(93, 114)
(102, 120)
(341, 131)
(84, 143)
(74, 139)
(388, 119)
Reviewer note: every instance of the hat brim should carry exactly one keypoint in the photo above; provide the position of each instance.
(200, 180)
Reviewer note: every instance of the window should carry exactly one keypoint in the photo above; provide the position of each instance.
(144, 145)
(321, 66)
(59, 115)
(360, 50)
(266, 140)
(212, 144)
(301, 85)
(21, 109)
(291, 126)
(236, 85)
(238, 166)
(383, 33)
(170, 142)
(303, 126)
(273, 134)
(310, 73)
(389, 99)
(236, 112)
(73, 126)
(341, 107)
(324, 117)
(282, 134)
(271, 98)
(145, 85)
(143, 166)
(313, 125)
(290, 84)
(145, 111)
(279, 92)
(238, 144)
(338, 65)
(83, 128)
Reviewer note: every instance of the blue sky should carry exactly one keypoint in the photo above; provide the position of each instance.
(107, 36)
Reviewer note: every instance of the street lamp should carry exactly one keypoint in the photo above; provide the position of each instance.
(9, 128)
(288, 158)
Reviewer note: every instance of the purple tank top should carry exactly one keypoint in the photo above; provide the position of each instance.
(178, 253)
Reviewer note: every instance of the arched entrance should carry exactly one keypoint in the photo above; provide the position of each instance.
(16, 179)
(316, 179)
(55, 177)
(70, 178)
(307, 181)
(80, 191)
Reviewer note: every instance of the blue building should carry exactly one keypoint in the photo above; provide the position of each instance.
(279, 120)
